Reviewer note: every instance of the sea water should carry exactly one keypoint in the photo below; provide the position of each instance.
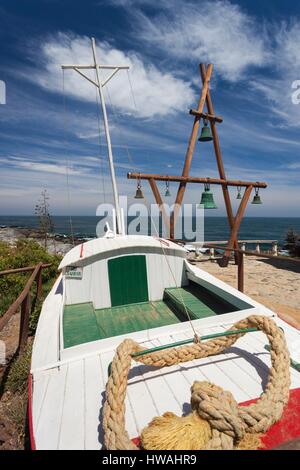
(215, 228)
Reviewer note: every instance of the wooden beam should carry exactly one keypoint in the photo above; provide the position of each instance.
(207, 116)
(23, 270)
(218, 154)
(236, 225)
(159, 201)
(190, 150)
(192, 179)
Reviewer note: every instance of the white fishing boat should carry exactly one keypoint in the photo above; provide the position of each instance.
(143, 288)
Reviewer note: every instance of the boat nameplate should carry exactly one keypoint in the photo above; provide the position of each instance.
(74, 272)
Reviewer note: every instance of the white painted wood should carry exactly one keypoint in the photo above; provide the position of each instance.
(46, 345)
(94, 249)
(94, 285)
(150, 393)
(69, 385)
(94, 386)
(40, 383)
(72, 432)
(258, 342)
(142, 402)
(215, 371)
(47, 428)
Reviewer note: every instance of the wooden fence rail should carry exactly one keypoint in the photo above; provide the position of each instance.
(23, 300)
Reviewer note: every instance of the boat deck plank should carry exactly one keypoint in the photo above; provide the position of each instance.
(52, 408)
(94, 386)
(73, 409)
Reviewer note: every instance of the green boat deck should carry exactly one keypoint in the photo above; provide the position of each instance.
(82, 323)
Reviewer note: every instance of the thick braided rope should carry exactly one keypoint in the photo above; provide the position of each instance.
(228, 421)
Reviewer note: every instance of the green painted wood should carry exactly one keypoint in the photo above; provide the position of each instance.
(125, 319)
(198, 301)
(79, 324)
(128, 280)
(221, 296)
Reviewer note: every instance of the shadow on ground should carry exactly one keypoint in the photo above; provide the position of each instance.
(282, 264)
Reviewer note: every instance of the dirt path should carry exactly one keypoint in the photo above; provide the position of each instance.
(12, 405)
(274, 283)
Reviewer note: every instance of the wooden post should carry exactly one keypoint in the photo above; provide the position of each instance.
(240, 271)
(190, 150)
(275, 248)
(39, 285)
(24, 323)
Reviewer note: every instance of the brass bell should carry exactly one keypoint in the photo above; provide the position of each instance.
(139, 193)
(205, 133)
(256, 199)
(207, 198)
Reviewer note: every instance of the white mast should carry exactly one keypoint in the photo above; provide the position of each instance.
(99, 84)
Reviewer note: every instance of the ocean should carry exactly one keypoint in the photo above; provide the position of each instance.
(215, 228)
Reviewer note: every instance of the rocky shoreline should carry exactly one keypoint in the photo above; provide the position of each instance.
(56, 243)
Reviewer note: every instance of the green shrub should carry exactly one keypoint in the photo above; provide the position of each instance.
(23, 253)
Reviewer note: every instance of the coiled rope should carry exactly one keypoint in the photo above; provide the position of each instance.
(228, 422)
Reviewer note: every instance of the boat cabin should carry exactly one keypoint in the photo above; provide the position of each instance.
(121, 285)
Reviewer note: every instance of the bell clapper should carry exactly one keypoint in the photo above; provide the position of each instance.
(167, 193)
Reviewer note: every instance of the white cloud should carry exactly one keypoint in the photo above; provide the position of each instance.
(277, 89)
(40, 167)
(218, 32)
(293, 166)
(156, 93)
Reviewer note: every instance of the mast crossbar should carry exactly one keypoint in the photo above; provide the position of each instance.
(99, 66)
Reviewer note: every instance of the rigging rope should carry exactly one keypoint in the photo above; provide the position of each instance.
(66, 158)
(131, 88)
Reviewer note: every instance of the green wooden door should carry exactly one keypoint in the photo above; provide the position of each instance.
(128, 280)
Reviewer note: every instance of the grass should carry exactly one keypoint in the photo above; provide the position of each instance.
(13, 389)
(16, 380)
(23, 253)
(14, 395)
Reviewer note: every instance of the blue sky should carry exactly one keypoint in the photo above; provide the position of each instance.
(255, 49)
